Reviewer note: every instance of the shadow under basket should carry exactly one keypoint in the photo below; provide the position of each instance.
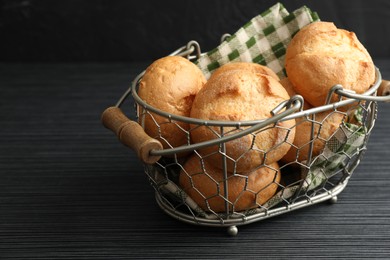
(307, 178)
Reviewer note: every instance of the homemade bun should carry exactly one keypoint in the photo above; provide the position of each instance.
(325, 125)
(204, 183)
(241, 95)
(254, 67)
(169, 84)
(320, 56)
(285, 82)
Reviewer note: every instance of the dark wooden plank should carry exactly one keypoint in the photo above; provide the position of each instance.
(69, 189)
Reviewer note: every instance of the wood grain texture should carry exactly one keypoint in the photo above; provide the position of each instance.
(70, 190)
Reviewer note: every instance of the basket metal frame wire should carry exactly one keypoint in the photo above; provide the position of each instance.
(190, 219)
(294, 105)
(287, 110)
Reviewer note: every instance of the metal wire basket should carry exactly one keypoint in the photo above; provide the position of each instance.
(316, 178)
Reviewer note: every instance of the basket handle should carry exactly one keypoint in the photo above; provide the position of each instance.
(131, 134)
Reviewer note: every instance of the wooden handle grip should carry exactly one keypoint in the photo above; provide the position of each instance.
(384, 88)
(131, 134)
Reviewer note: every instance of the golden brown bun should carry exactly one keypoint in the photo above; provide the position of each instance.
(291, 92)
(240, 95)
(254, 67)
(170, 84)
(330, 122)
(320, 56)
(288, 86)
(206, 187)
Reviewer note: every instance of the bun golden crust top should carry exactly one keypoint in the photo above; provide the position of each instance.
(320, 56)
(238, 95)
(327, 39)
(254, 67)
(170, 84)
(242, 95)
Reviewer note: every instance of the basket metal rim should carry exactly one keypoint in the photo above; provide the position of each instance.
(331, 106)
(228, 221)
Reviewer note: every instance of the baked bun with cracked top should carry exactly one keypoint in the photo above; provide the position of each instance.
(241, 95)
(169, 84)
(320, 56)
(254, 67)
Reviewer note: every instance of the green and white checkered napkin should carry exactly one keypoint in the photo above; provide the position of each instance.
(262, 40)
(347, 141)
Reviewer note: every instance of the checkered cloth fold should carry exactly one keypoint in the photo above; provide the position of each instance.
(262, 40)
(347, 141)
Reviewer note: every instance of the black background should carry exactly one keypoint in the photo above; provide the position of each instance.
(120, 30)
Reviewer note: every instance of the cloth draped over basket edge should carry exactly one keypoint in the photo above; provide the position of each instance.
(262, 40)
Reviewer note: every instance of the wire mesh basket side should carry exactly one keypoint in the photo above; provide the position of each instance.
(313, 178)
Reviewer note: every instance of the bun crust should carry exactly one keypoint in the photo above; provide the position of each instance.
(325, 125)
(240, 95)
(205, 185)
(169, 84)
(254, 67)
(285, 82)
(320, 56)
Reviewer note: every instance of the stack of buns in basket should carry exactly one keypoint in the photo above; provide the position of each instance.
(318, 57)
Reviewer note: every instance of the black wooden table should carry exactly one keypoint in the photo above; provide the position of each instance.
(69, 189)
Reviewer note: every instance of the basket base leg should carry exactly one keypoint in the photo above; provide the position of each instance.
(232, 231)
(333, 200)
